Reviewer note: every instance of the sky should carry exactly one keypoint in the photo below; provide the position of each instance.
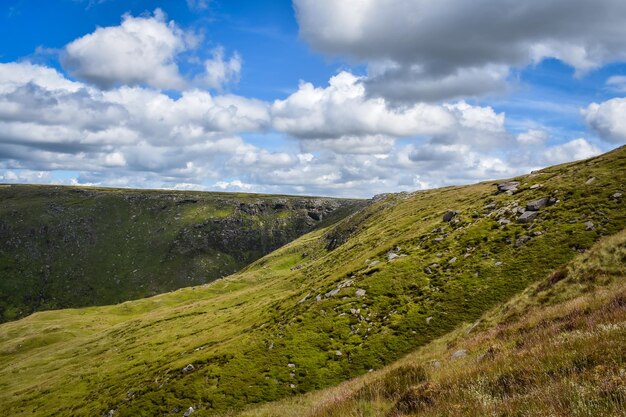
(308, 97)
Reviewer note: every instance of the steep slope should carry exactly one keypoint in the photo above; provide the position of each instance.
(71, 247)
(559, 348)
(333, 304)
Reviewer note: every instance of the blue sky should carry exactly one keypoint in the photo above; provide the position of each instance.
(305, 97)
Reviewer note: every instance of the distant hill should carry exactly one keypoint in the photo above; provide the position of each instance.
(334, 304)
(66, 247)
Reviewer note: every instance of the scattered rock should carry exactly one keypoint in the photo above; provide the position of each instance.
(489, 206)
(189, 368)
(338, 353)
(452, 260)
(428, 319)
(391, 256)
(437, 239)
(537, 233)
(292, 386)
(374, 263)
(428, 270)
(499, 263)
(450, 214)
(459, 354)
(110, 413)
(360, 292)
(332, 292)
(435, 364)
(504, 222)
(318, 297)
(616, 196)
(508, 186)
(552, 201)
(538, 204)
(590, 181)
(189, 412)
(521, 241)
(535, 186)
(589, 225)
(291, 365)
(304, 298)
(527, 217)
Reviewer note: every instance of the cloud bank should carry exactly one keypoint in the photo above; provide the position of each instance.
(434, 50)
(113, 120)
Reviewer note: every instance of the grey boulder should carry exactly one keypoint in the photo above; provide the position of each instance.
(527, 217)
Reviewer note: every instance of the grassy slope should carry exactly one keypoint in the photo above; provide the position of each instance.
(71, 247)
(240, 333)
(557, 349)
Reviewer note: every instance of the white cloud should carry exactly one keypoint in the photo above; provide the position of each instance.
(608, 119)
(433, 50)
(343, 109)
(49, 123)
(533, 137)
(574, 150)
(617, 82)
(364, 145)
(142, 50)
(233, 185)
(218, 71)
(197, 5)
(145, 51)
(342, 143)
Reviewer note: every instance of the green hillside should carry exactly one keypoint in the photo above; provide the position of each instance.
(334, 304)
(557, 349)
(72, 247)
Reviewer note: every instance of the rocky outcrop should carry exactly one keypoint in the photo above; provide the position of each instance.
(510, 187)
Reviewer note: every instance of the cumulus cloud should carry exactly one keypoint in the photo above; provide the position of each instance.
(145, 50)
(533, 137)
(49, 123)
(608, 119)
(574, 150)
(142, 50)
(342, 109)
(342, 116)
(219, 71)
(427, 50)
(335, 140)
